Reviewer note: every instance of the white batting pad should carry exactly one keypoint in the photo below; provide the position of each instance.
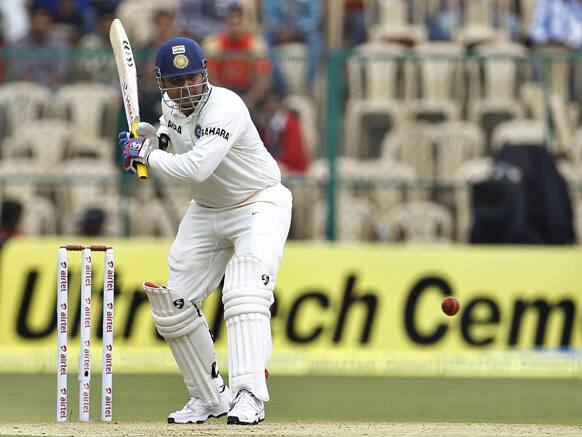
(185, 329)
(247, 296)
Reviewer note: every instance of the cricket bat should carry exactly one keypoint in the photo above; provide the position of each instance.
(128, 80)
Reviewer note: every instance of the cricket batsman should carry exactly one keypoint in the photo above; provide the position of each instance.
(235, 226)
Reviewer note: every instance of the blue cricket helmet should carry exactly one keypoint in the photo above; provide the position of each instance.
(178, 57)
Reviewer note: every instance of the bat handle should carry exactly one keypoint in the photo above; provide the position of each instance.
(142, 170)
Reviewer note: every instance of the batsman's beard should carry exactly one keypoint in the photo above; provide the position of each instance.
(187, 99)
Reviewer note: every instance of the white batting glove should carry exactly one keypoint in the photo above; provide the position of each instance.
(149, 132)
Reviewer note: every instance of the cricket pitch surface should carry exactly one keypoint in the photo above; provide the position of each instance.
(285, 429)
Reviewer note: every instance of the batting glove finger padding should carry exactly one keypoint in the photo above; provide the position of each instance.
(147, 130)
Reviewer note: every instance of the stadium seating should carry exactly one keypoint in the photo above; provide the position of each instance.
(43, 141)
(420, 222)
(374, 79)
(454, 143)
(494, 84)
(21, 102)
(39, 216)
(354, 218)
(575, 152)
(420, 121)
(519, 131)
(478, 26)
(150, 215)
(411, 144)
(92, 108)
(89, 183)
(21, 179)
(292, 60)
(395, 25)
(435, 82)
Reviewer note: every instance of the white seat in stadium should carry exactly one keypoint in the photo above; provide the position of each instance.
(411, 144)
(455, 142)
(20, 177)
(478, 25)
(21, 102)
(575, 152)
(93, 108)
(435, 82)
(101, 149)
(390, 183)
(150, 215)
(494, 83)
(374, 82)
(44, 141)
(354, 218)
(565, 117)
(519, 131)
(572, 173)
(394, 23)
(39, 216)
(559, 74)
(292, 59)
(420, 222)
(89, 183)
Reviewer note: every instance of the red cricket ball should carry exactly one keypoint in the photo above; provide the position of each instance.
(450, 305)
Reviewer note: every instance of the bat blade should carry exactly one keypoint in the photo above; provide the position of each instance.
(127, 72)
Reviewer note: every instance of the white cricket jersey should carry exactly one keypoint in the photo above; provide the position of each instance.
(219, 150)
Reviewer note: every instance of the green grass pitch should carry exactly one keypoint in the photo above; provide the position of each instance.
(31, 398)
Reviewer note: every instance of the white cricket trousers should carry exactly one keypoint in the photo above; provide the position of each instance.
(209, 237)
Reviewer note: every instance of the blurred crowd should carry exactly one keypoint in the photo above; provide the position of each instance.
(273, 53)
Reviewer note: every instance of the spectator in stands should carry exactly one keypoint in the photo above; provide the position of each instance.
(164, 28)
(92, 223)
(149, 96)
(347, 26)
(280, 130)
(294, 21)
(200, 18)
(237, 59)
(557, 23)
(356, 31)
(442, 26)
(76, 17)
(109, 4)
(10, 220)
(14, 19)
(95, 63)
(556, 28)
(41, 55)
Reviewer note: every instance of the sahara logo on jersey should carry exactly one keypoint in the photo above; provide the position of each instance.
(199, 132)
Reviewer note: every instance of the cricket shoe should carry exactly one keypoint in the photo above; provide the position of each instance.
(196, 412)
(246, 409)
